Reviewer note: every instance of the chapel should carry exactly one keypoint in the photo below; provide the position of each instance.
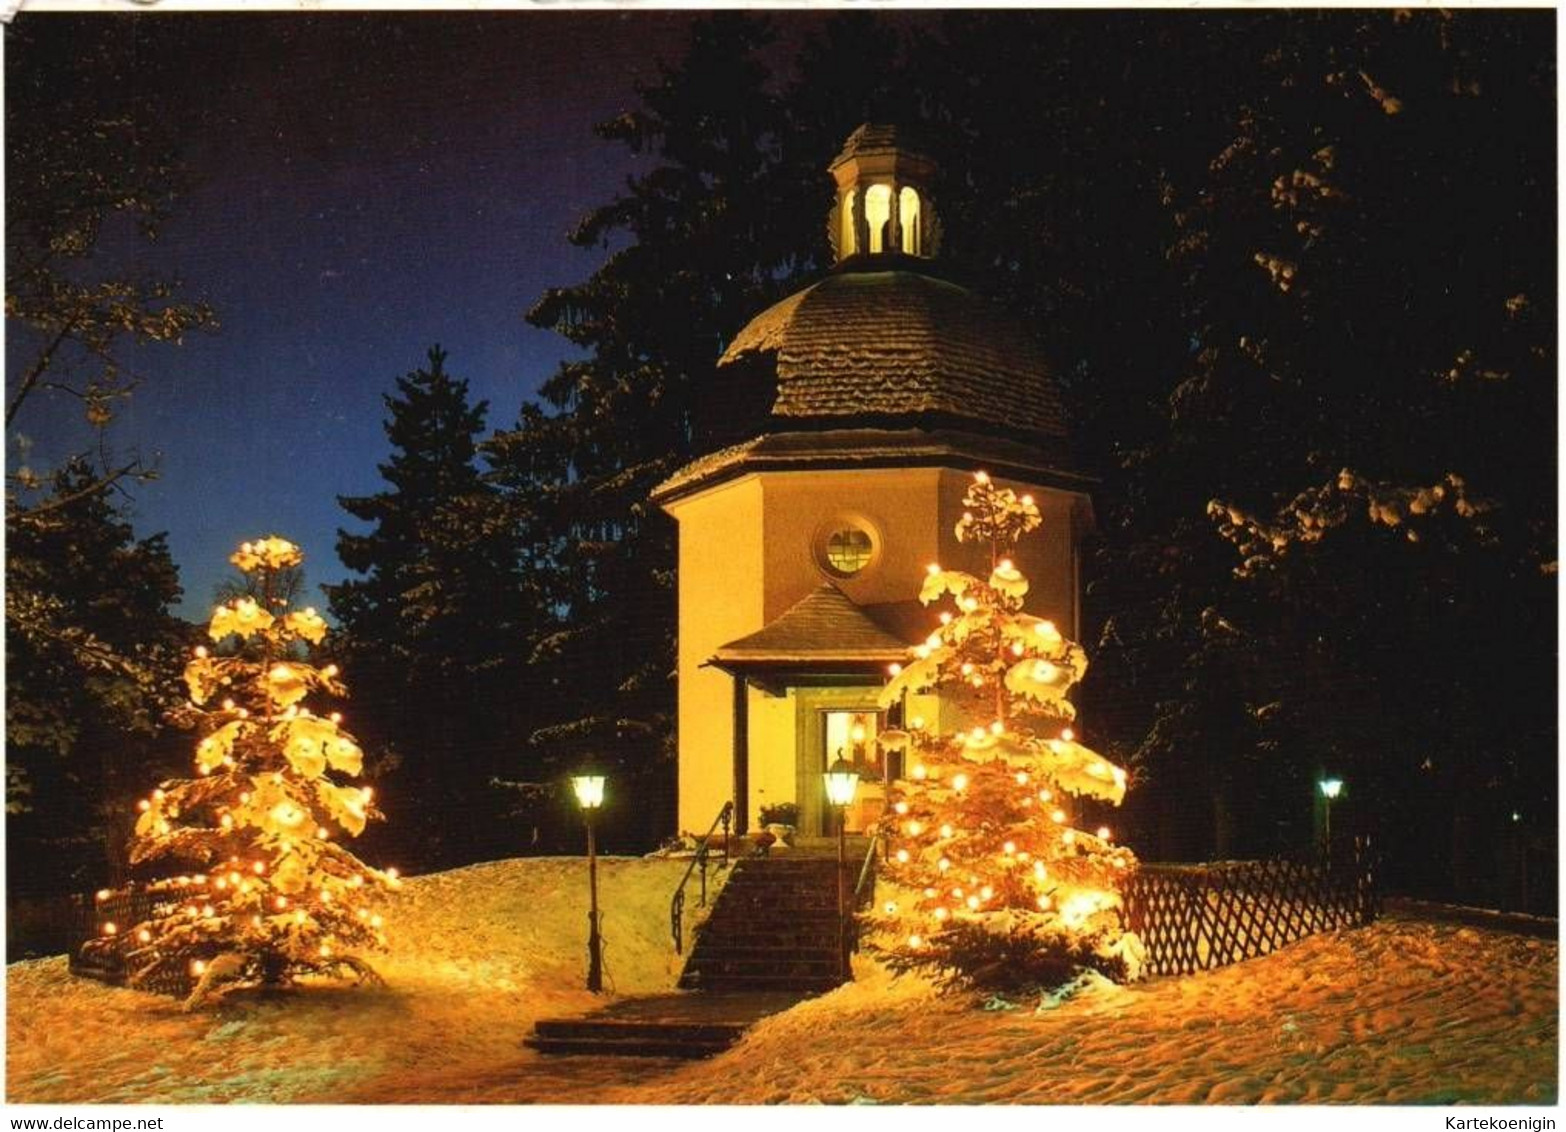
(847, 421)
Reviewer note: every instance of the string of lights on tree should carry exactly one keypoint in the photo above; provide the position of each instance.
(991, 881)
(269, 893)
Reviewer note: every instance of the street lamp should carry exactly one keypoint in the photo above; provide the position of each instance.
(589, 788)
(1330, 789)
(842, 780)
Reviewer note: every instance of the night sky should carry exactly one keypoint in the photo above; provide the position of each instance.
(367, 186)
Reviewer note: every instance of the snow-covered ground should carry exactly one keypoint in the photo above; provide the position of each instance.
(1402, 1012)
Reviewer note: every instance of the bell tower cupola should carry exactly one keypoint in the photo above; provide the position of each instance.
(883, 197)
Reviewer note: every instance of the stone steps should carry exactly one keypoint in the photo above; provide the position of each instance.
(610, 1037)
(680, 1025)
(775, 927)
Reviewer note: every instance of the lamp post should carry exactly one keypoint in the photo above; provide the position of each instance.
(589, 788)
(1330, 789)
(841, 781)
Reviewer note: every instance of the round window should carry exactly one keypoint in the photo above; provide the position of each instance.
(848, 550)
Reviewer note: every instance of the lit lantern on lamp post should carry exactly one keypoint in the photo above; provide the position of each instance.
(842, 780)
(1330, 789)
(589, 788)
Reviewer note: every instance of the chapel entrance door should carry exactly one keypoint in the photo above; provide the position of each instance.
(837, 722)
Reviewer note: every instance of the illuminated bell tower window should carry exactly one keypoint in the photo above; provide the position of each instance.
(908, 220)
(848, 551)
(878, 216)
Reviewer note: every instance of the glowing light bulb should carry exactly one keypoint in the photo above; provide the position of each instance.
(1022, 778)
(915, 942)
(932, 569)
(1016, 648)
(1069, 837)
(915, 829)
(198, 968)
(144, 936)
(946, 618)
(336, 717)
(1045, 796)
(1027, 501)
(280, 903)
(920, 773)
(981, 477)
(900, 808)
(1009, 848)
(144, 805)
(918, 723)
(973, 902)
(960, 782)
(1067, 734)
(946, 831)
(986, 892)
(902, 856)
(894, 669)
(956, 894)
(890, 907)
(943, 864)
(201, 652)
(941, 914)
(258, 868)
(1044, 903)
(1103, 833)
(103, 894)
(330, 670)
(110, 928)
(1058, 816)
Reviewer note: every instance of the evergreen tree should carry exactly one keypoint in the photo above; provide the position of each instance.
(431, 627)
(268, 893)
(994, 884)
(92, 668)
(699, 250)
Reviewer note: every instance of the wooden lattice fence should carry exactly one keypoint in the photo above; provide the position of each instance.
(125, 909)
(1197, 917)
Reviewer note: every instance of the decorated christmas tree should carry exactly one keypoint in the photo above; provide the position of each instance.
(267, 891)
(992, 883)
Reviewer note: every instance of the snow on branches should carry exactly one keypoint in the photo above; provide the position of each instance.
(268, 893)
(1310, 515)
(993, 884)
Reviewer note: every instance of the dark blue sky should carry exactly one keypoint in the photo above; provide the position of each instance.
(368, 186)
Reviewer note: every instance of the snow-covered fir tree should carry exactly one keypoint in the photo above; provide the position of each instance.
(266, 891)
(993, 883)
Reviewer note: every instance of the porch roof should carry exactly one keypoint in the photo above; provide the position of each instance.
(826, 628)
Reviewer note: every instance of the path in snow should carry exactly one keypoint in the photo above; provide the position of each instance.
(1403, 1012)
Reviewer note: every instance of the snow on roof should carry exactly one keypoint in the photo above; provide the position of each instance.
(902, 343)
(1046, 465)
(824, 625)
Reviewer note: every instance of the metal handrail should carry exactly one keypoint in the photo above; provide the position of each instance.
(865, 872)
(677, 902)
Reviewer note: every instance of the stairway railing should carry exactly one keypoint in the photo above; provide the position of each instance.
(866, 871)
(703, 852)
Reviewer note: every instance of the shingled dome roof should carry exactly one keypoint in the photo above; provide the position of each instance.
(901, 343)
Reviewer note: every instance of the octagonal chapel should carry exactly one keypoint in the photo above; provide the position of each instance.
(850, 418)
